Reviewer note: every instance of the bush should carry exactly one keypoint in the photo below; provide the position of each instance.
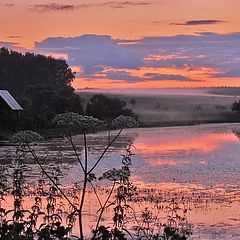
(106, 108)
(236, 106)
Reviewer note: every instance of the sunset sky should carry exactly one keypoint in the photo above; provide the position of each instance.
(131, 44)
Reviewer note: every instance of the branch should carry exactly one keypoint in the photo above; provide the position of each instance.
(96, 194)
(84, 187)
(49, 177)
(74, 148)
(102, 210)
(105, 150)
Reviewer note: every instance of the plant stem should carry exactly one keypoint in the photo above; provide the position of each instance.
(84, 187)
(74, 148)
(105, 150)
(96, 194)
(49, 177)
(102, 210)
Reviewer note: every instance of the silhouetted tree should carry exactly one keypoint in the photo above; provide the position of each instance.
(47, 102)
(17, 71)
(41, 84)
(106, 108)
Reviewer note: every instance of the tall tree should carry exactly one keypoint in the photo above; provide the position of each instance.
(18, 71)
(41, 84)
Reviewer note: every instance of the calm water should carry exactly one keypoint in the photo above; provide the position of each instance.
(199, 158)
(201, 163)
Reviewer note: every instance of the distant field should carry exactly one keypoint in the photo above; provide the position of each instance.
(174, 109)
(225, 91)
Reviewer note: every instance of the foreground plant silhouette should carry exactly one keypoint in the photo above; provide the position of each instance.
(69, 122)
(46, 222)
(35, 221)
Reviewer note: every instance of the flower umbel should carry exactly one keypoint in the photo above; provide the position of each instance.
(71, 119)
(125, 122)
(26, 136)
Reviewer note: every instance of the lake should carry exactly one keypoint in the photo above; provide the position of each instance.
(198, 163)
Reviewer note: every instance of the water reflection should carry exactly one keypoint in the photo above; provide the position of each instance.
(204, 143)
(206, 154)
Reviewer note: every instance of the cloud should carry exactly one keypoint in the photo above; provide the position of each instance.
(7, 5)
(199, 22)
(122, 75)
(10, 5)
(11, 45)
(212, 54)
(14, 36)
(114, 4)
(52, 7)
(168, 77)
(43, 8)
(93, 52)
(231, 72)
(122, 4)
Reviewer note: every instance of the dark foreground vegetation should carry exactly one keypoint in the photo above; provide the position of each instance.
(56, 208)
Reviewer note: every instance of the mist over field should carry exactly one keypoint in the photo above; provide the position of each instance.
(227, 92)
(169, 107)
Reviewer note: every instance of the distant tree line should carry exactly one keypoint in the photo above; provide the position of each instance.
(42, 85)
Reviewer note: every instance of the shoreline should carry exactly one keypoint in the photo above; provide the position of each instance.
(184, 123)
(54, 133)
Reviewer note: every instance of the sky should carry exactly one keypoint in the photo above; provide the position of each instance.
(131, 43)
